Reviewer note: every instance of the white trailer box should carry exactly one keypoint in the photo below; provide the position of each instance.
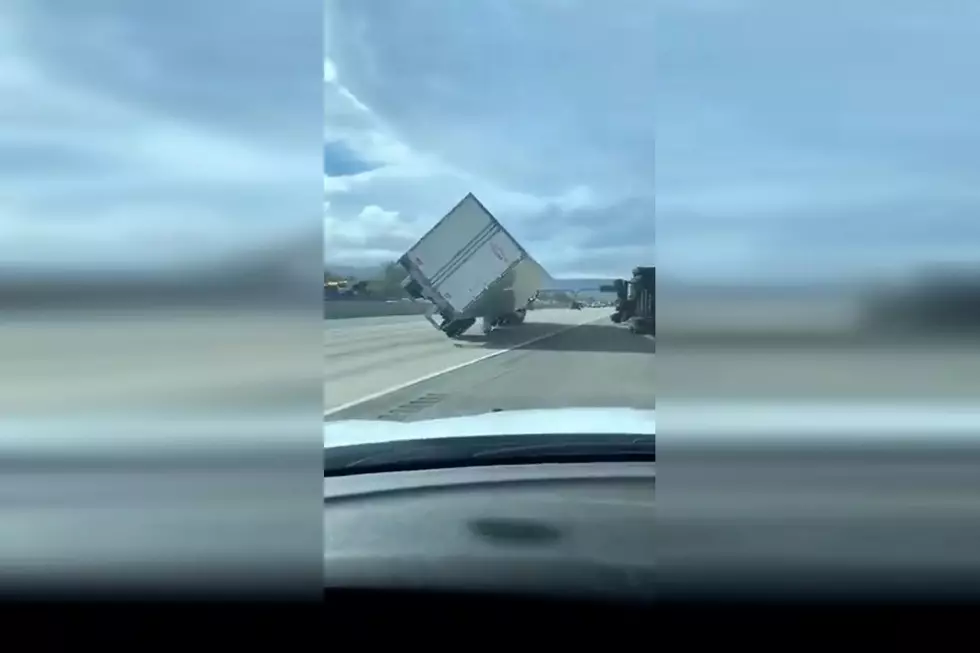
(468, 267)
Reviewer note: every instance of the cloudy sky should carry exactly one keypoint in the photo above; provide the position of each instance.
(153, 134)
(543, 109)
(757, 138)
(786, 138)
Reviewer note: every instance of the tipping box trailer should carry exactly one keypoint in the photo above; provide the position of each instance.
(468, 267)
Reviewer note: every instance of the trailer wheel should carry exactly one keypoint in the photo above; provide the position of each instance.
(458, 327)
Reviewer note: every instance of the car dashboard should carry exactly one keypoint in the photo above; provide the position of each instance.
(573, 531)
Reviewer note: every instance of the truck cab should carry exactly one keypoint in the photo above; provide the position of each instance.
(635, 300)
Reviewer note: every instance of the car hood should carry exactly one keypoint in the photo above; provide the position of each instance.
(512, 422)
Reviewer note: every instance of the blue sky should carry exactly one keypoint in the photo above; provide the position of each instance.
(770, 139)
(157, 134)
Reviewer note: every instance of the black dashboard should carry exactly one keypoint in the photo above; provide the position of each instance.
(564, 531)
(830, 523)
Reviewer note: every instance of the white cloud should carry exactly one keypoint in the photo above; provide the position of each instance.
(329, 71)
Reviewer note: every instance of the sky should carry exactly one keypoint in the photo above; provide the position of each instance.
(757, 139)
(157, 135)
(543, 109)
(752, 139)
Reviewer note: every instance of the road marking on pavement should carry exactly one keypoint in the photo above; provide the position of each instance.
(432, 375)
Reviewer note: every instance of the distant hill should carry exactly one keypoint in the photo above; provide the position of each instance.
(359, 271)
(579, 283)
(585, 287)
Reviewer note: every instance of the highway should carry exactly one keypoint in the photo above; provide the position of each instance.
(401, 368)
(167, 361)
(74, 363)
(371, 365)
(901, 372)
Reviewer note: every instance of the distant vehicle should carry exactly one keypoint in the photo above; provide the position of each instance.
(576, 306)
(636, 300)
(345, 289)
(468, 267)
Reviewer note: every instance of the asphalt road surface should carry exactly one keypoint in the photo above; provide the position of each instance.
(166, 362)
(402, 369)
(902, 372)
(600, 364)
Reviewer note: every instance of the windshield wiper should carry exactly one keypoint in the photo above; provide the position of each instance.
(441, 453)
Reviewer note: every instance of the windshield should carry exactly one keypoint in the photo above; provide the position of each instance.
(539, 218)
(489, 219)
(490, 215)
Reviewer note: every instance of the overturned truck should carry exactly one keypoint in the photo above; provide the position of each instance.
(635, 300)
(468, 267)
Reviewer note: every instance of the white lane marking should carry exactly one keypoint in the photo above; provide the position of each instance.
(432, 375)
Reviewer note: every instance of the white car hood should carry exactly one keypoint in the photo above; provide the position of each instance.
(512, 422)
(705, 424)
